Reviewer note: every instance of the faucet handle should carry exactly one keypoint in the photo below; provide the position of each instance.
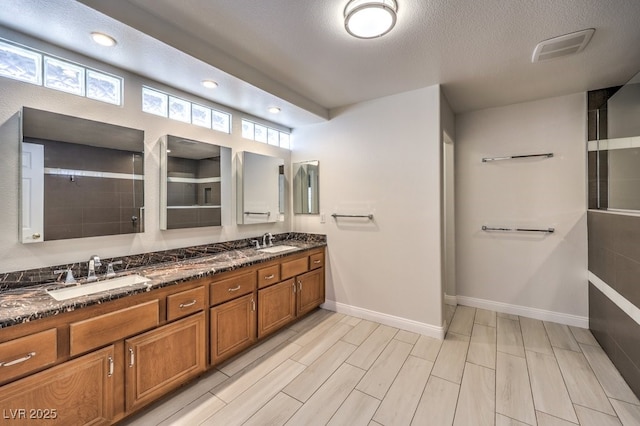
(110, 271)
(257, 243)
(69, 279)
(96, 260)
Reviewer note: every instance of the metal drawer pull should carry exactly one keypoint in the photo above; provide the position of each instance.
(294, 286)
(27, 357)
(253, 305)
(110, 373)
(300, 285)
(235, 288)
(270, 277)
(316, 261)
(186, 305)
(132, 358)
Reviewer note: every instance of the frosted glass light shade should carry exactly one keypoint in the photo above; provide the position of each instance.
(370, 18)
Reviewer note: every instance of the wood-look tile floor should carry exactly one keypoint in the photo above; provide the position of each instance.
(332, 369)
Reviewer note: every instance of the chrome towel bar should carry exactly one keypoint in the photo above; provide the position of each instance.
(336, 215)
(262, 213)
(487, 159)
(546, 231)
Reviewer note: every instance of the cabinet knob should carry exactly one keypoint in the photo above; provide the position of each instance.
(36, 236)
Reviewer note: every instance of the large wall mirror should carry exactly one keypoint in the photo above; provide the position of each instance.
(79, 178)
(615, 170)
(306, 191)
(191, 183)
(260, 188)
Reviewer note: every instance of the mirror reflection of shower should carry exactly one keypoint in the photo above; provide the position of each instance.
(306, 190)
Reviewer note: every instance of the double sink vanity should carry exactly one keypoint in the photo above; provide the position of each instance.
(96, 352)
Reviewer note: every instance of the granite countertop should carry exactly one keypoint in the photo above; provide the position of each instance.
(29, 303)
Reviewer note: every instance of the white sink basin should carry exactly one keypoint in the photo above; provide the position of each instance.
(96, 287)
(277, 249)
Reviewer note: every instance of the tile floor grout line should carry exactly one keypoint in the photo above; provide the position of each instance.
(167, 409)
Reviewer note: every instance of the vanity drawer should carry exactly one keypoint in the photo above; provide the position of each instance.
(231, 288)
(28, 353)
(316, 261)
(104, 329)
(268, 276)
(185, 303)
(294, 267)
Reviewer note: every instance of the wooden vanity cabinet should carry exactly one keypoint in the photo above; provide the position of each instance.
(233, 327)
(162, 359)
(78, 392)
(99, 364)
(301, 291)
(28, 354)
(277, 307)
(310, 292)
(233, 315)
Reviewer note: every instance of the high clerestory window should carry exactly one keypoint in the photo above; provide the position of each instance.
(165, 105)
(35, 67)
(265, 134)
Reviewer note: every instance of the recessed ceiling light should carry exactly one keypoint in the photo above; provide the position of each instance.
(273, 110)
(209, 84)
(370, 18)
(103, 39)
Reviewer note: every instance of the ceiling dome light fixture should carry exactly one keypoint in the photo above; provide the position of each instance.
(103, 39)
(370, 18)
(273, 110)
(209, 84)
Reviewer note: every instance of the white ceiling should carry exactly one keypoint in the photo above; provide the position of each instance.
(297, 54)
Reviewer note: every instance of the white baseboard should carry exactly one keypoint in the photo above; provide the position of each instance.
(450, 300)
(386, 319)
(525, 311)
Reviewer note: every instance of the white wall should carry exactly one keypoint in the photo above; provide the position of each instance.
(529, 274)
(381, 157)
(14, 95)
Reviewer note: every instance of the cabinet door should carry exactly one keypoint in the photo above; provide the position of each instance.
(78, 392)
(310, 290)
(163, 359)
(233, 327)
(276, 306)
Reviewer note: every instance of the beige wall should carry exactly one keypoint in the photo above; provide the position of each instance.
(530, 274)
(14, 95)
(381, 157)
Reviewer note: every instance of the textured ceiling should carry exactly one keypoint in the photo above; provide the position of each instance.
(299, 52)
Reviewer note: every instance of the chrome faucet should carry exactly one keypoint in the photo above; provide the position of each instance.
(94, 262)
(264, 238)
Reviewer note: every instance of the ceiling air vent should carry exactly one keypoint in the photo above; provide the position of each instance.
(562, 46)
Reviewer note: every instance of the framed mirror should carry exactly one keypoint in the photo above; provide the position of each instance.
(79, 178)
(614, 155)
(306, 190)
(260, 188)
(191, 183)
